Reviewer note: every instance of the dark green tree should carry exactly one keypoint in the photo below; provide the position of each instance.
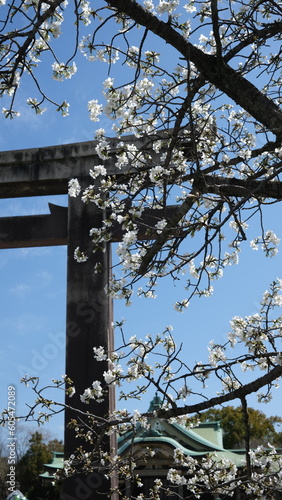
(31, 466)
(261, 428)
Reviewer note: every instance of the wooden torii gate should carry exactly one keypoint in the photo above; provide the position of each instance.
(47, 171)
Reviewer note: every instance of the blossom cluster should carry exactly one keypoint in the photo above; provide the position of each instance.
(94, 392)
(269, 243)
(60, 70)
(215, 474)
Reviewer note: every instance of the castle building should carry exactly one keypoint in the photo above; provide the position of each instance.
(162, 438)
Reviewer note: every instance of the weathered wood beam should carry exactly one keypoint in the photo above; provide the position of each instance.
(35, 230)
(46, 171)
(51, 229)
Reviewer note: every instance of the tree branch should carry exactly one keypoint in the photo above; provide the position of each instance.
(247, 435)
(225, 78)
(230, 186)
(215, 24)
(31, 36)
(240, 393)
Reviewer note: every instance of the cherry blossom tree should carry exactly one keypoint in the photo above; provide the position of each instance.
(209, 120)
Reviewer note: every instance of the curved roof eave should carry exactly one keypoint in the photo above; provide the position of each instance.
(220, 453)
(161, 439)
(196, 437)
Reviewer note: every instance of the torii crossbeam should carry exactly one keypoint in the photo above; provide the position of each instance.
(47, 171)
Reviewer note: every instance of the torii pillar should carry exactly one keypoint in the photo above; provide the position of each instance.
(88, 324)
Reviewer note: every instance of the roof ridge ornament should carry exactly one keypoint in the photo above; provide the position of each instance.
(156, 403)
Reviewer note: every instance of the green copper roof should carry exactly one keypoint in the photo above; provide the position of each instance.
(57, 463)
(199, 441)
(196, 442)
(155, 404)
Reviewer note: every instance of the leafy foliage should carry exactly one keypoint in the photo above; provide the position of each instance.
(32, 464)
(262, 429)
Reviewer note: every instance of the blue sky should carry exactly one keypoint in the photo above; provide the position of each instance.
(33, 281)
